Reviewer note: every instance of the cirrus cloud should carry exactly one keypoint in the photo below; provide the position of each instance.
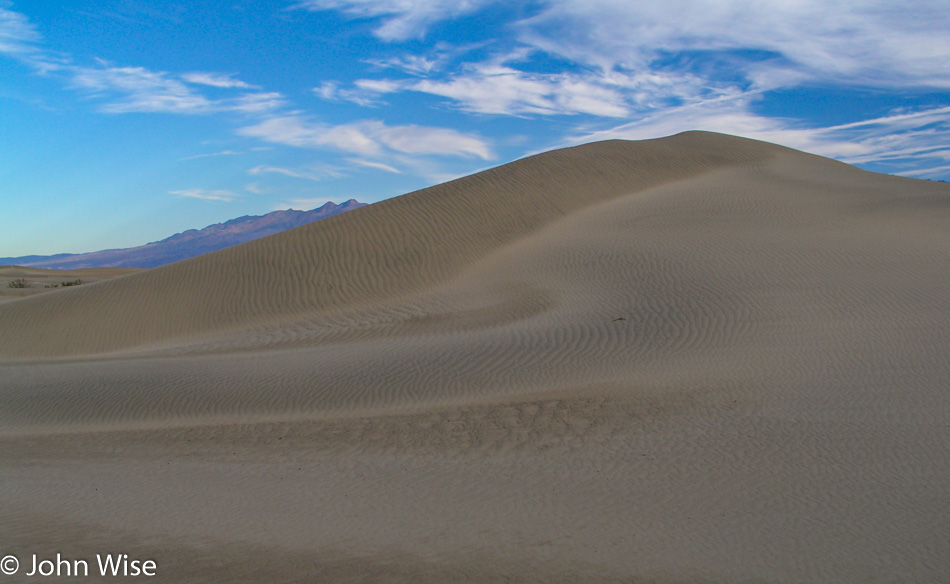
(137, 89)
(369, 137)
(17, 33)
(401, 19)
(224, 81)
(224, 196)
(870, 42)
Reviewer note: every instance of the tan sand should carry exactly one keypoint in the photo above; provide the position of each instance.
(30, 281)
(694, 359)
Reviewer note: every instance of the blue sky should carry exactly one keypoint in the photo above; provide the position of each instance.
(125, 121)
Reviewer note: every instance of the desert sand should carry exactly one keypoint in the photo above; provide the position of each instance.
(30, 281)
(688, 360)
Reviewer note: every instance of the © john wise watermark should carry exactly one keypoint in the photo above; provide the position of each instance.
(117, 565)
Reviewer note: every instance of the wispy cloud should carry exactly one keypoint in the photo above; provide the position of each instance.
(926, 172)
(634, 58)
(225, 153)
(212, 155)
(17, 33)
(504, 90)
(206, 195)
(870, 42)
(132, 89)
(412, 64)
(141, 90)
(684, 64)
(401, 19)
(21, 40)
(638, 69)
(494, 87)
(137, 89)
(225, 81)
(365, 92)
(376, 165)
(253, 102)
(331, 91)
(378, 86)
(307, 175)
(632, 51)
(413, 139)
(369, 137)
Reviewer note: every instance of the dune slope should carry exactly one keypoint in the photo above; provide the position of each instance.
(394, 247)
(694, 359)
(30, 281)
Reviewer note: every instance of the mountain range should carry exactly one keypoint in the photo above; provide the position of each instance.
(187, 244)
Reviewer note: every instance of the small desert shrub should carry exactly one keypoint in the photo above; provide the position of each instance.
(64, 284)
(18, 283)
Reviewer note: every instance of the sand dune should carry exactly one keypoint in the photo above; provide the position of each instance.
(399, 246)
(38, 280)
(694, 359)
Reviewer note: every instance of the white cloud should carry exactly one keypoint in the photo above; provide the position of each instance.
(17, 33)
(401, 19)
(224, 81)
(498, 86)
(661, 67)
(290, 130)
(331, 91)
(379, 85)
(376, 165)
(225, 153)
(142, 90)
(352, 138)
(414, 139)
(495, 87)
(365, 92)
(136, 89)
(206, 195)
(619, 43)
(212, 155)
(252, 102)
(732, 50)
(925, 172)
(328, 90)
(369, 137)
(307, 175)
(503, 90)
(877, 42)
(699, 64)
(412, 64)
(132, 89)
(869, 42)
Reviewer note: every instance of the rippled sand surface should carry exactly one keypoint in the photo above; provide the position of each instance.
(688, 360)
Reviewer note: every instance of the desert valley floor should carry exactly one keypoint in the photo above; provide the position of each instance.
(695, 359)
